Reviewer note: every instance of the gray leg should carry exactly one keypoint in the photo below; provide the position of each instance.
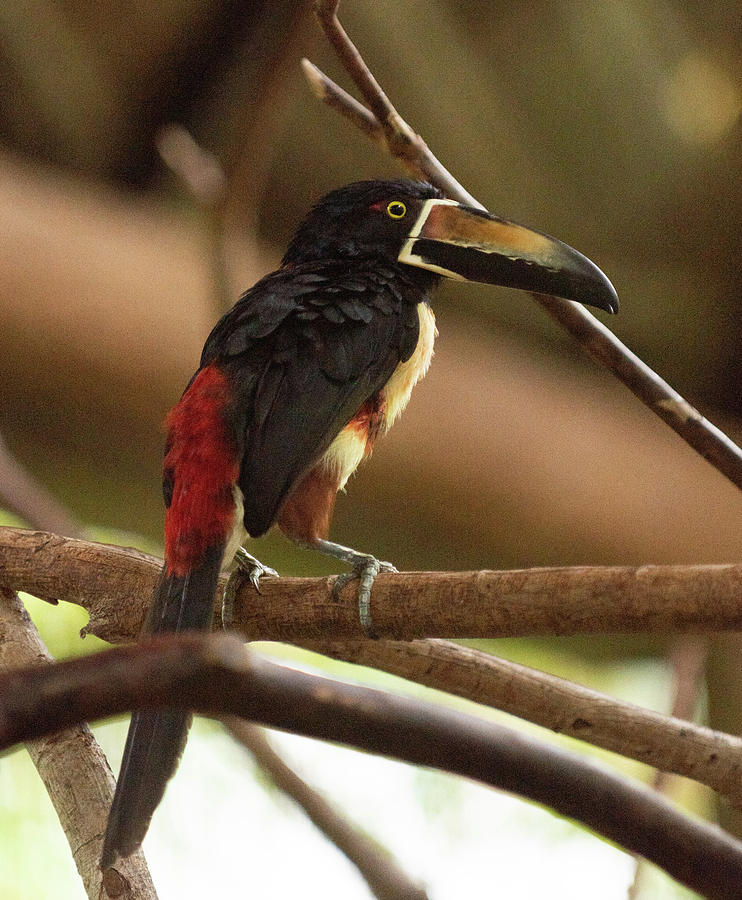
(365, 568)
(246, 565)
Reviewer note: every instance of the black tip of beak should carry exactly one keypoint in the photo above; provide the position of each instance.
(474, 245)
(581, 280)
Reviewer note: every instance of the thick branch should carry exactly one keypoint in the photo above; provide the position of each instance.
(114, 585)
(74, 771)
(382, 873)
(598, 341)
(215, 675)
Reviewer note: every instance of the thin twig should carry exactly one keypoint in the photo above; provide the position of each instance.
(215, 675)
(597, 340)
(113, 584)
(21, 493)
(334, 96)
(375, 863)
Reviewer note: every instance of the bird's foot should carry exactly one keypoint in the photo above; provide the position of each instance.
(365, 568)
(246, 566)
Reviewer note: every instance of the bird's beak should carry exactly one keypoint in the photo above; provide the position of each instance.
(471, 245)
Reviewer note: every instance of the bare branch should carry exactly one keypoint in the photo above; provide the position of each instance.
(114, 583)
(216, 676)
(670, 743)
(376, 864)
(21, 493)
(381, 108)
(597, 340)
(74, 771)
(401, 141)
(326, 90)
(120, 581)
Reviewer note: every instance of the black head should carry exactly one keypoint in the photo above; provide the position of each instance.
(363, 219)
(410, 225)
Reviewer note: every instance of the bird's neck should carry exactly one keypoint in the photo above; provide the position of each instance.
(414, 282)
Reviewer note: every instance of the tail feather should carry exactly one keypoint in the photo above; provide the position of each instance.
(156, 738)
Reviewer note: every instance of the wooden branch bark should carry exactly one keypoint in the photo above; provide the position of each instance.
(402, 142)
(376, 864)
(114, 584)
(215, 675)
(74, 772)
(670, 743)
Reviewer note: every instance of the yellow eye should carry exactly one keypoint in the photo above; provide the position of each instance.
(396, 209)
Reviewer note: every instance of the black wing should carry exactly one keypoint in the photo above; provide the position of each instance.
(303, 350)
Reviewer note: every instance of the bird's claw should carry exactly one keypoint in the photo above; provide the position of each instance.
(246, 566)
(365, 569)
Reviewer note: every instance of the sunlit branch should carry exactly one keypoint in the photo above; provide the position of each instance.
(114, 585)
(673, 744)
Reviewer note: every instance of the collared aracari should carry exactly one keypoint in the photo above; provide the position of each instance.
(296, 383)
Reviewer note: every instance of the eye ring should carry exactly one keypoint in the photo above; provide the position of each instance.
(396, 209)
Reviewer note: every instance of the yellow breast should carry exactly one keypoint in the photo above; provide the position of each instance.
(355, 441)
(407, 374)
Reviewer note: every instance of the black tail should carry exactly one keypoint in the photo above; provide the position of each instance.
(156, 738)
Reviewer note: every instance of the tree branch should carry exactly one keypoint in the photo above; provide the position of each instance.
(669, 743)
(215, 675)
(378, 867)
(74, 771)
(598, 341)
(113, 584)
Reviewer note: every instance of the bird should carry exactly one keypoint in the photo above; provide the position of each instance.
(296, 383)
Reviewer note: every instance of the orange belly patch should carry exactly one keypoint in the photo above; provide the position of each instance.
(305, 514)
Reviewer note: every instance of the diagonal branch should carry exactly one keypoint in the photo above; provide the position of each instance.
(376, 864)
(401, 141)
(671, 743)
(216, 675)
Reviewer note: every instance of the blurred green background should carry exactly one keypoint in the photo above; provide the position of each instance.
(615, 127)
